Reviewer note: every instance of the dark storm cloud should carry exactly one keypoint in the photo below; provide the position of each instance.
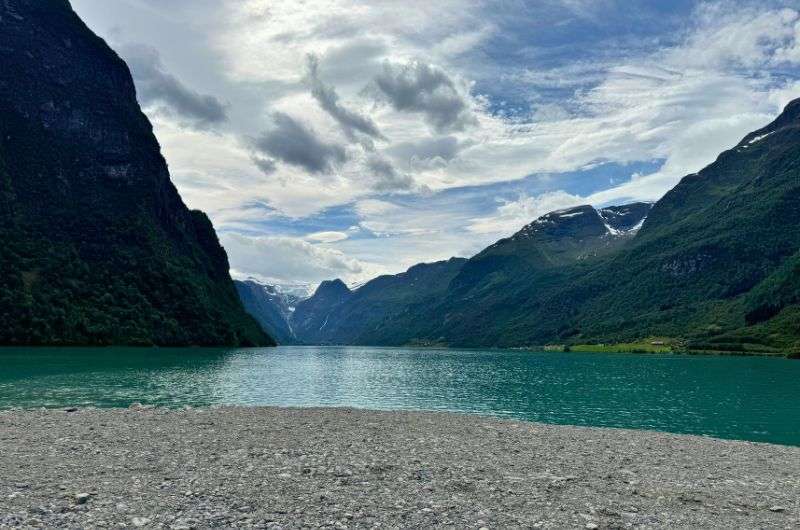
(266, 165)
(387, 178)
(445, 148)
(292, 142)
(418, 87)
(156, 86)
(350, 121)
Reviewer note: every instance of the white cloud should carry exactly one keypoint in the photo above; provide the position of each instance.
(723, 76)
(660, 106)
(268, 40)
(327, 237)
(287, 259)
(744, 37)
(513, 215)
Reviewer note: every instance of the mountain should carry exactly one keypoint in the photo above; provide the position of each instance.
(337, 315)
(311, 316)
(97, 245)
(272, 306)
(556, 239)
(714, 266)
(491, 286)
(369, 315)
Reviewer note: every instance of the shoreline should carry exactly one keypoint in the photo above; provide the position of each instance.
(530, 349)
(348, 409)
(351, 468)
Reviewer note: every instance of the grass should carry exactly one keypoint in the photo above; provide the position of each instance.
(651, 346)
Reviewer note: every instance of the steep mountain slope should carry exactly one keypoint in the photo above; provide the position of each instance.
(336, 315)
(271, 307)
(97, 246)
(714, 265)
(714, 261)
(492, 286)
(556, 239)
(310, 318)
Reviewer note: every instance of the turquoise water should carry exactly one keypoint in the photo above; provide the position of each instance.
(747, 398)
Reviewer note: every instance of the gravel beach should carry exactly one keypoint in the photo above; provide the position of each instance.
(339, 468)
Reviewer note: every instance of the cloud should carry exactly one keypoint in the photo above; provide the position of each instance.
(422, 88)
(513, 215)
(157, 87)
(288, 259)
(350, 121)
(267, 40)
(746, 37)
(388, 111)
(265, 165)
(327, 237)
(388, 219)
(386, 177)
(294, 143)
(429, 152)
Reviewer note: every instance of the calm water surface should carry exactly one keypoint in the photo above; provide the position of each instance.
(747, 398)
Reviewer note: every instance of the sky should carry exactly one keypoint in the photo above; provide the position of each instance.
(348, 139)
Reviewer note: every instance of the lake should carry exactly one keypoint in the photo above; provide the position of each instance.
(750, 398)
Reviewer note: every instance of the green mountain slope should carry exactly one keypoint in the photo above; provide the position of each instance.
(714, 266)
(96, 245)
(491, 288)
(336, 315)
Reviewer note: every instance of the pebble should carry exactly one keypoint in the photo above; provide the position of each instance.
(293, 468)
(82, 498)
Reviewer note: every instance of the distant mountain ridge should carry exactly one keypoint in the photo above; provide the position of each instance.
(713, 265)
(335, 315)
(97, 246)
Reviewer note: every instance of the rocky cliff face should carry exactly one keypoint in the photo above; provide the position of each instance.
(98, 245)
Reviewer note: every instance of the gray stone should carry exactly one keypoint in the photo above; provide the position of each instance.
(82, 498)
(295, 468)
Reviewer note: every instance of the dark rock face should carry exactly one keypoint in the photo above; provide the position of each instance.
(579, 223)
(98, 247)
(627, 217)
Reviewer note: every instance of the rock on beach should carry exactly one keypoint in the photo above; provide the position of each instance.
(341, 468)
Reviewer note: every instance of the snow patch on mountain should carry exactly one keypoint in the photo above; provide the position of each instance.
(574, 214)
(759, 138)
